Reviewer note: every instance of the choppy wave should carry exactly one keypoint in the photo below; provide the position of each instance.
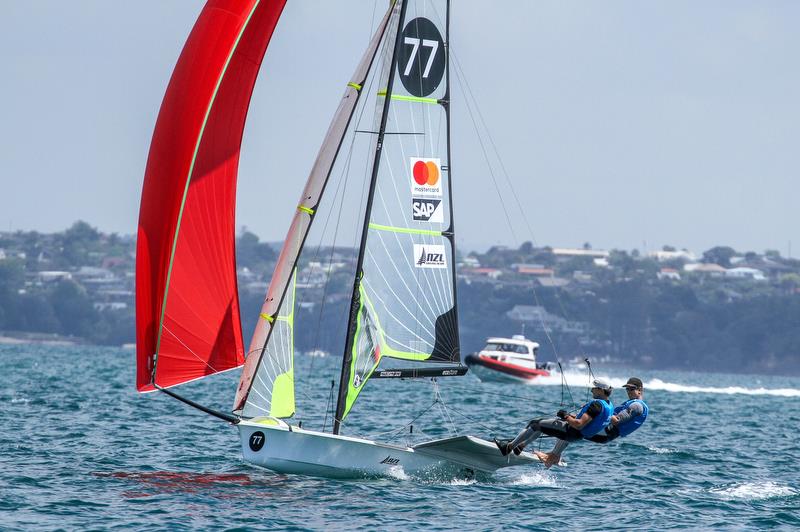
(580, 379)
(753, 491)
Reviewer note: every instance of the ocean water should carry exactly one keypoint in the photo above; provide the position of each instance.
(80, 449)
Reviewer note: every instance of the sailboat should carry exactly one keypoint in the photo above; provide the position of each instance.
(402, 323)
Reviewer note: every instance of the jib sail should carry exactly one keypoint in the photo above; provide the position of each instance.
(261, 357)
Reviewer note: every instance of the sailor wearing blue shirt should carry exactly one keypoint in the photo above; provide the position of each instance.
(627, 417)
(590, 420)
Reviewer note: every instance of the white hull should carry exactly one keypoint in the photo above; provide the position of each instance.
(285, 449)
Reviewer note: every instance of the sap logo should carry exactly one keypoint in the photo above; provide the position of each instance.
(391, 461)
(427, 210)
(429, 256)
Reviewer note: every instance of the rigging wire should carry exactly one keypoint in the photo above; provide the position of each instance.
(343, 182)
(406, 425)
(442, 406)
(505, 172)
(469, 96)
(328, 405)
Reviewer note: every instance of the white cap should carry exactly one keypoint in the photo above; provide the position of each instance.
(602, 384)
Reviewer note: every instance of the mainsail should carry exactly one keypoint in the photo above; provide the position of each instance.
(403, 304)
(187, 307)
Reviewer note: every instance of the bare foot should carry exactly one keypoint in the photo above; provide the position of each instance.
(552, 459)
(548, 459)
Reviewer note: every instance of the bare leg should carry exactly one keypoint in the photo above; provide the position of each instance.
(553, 457)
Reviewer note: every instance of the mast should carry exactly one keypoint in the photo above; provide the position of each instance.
(445, 102)
(303, 218)
(354, 300)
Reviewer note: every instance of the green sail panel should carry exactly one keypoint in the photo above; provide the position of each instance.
(406, 296)
(366, 351)
(272, 391)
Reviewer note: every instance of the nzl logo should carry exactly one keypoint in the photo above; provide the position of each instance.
(427, 210)
(391, 461)
(429, 256)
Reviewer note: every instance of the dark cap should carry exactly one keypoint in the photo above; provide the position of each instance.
(634, 382)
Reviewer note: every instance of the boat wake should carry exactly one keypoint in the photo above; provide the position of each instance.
(579, 379)
(658, 384)
(750, 491)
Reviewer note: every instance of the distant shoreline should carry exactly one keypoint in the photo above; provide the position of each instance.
(19, 338)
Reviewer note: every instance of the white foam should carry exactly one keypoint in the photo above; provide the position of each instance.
(538, 478)
(662, 450)
(658, 384)
(398, 473)
(579, 380)
(462, 482)
(753, 491)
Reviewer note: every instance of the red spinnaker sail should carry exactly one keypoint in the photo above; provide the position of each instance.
(187, 307)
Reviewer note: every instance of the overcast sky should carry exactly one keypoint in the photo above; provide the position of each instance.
(624, 124)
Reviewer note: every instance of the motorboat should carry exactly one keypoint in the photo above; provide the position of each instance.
(508, 359)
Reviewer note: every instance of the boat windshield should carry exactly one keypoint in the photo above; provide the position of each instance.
(508, 348)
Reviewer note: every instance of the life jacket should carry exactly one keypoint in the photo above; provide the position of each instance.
(600, 420)
(634, 422)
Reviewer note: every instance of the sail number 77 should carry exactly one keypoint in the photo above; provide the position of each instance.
(434, 45)
(422, 57)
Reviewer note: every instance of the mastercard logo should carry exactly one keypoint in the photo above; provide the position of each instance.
(425, 172)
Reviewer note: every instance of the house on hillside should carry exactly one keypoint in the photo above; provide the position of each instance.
(552, 282)
(52, 276)
(535, 270)
(702, 268)
(470, 262)
(576, 252)
(664, 256)
(472, 273)
(538, 318)
(670, 274)
(582, 276)
(744, 272)
(114, 262)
